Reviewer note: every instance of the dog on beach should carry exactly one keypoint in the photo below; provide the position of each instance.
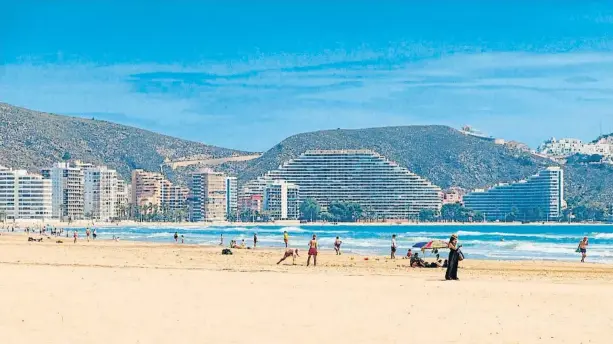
(37, 240)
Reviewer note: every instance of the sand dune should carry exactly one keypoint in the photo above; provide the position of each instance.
(123, 292)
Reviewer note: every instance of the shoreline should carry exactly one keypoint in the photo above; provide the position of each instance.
(88, 223)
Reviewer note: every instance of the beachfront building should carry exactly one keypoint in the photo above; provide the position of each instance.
(538, 198)
(208, 196)
(173, 198)
(384, 189)
(67, 182)
(231, 198)
(281, 200)
(100, 193)
(146, 190)
(123, 194)
(24, 195)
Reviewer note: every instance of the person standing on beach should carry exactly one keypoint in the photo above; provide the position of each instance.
(94, 235)
(452, 261)
(394, 247)
(285, 238)
(221, 240)
(176, 236)
(75, 235)
(583, 249)
(255, 240)
(312, 251)
(87, 232)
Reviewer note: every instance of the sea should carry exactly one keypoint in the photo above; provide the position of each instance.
(498, 242)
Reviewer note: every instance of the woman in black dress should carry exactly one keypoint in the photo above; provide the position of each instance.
(452, 265)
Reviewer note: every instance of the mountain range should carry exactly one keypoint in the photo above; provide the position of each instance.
(447, 157)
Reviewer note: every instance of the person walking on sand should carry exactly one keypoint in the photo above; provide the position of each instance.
(255, 240)
(87, 233)
(312, 251)
(75, 235)
(452, 261)
(285, 238)
(176, 236)
(94, 235)
(583, 248)
(290, 252)
(394, 247)
(337, 246)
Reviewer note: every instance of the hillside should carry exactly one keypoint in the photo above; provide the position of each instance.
(442, 154)
(32, 140)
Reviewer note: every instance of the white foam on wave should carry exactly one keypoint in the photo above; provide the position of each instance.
(602, 235)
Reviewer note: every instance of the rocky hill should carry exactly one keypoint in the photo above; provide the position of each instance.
(445, 156)
(32, 140)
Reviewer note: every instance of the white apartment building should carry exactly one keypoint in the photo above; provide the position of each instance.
(282, 200)
(100, 193)
(568, 146)
(67, 182)
(122, 199)
(24, 195)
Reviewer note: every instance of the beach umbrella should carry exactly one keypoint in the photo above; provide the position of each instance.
(431, 245)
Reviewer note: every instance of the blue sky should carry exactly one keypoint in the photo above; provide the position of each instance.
(247, 74)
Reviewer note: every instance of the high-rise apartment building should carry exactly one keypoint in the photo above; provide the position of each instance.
(231, 198)
(537, 198)
(282, 200)
(173, 198)
(146, 188)
(24, 195)
(380, 186)
(209, 196)
(100, 193)
(67, 182)
(122, 199)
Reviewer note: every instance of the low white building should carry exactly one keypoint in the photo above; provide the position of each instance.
(24, 195)
(568, 146)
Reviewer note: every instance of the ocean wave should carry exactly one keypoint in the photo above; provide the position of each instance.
(602, 235)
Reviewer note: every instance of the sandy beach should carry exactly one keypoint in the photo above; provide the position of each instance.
(127, 292)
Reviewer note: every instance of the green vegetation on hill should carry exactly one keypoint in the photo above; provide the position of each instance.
(443, 155)
(32, 140)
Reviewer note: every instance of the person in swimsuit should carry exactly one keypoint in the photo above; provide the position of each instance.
(285, 238)
(94, 235)
(337, 246)
(75, 235)
(290, 252)
(221, 240)
(312, 251)
(583, 249)
(394, 247)
(255, 240)
(87, 232)
(176, 236)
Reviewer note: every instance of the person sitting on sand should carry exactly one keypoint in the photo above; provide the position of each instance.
(417, 262)
(243, 244)
(313, 251)
(583, 249)
(290, 252)
(337, 246)
(409, 254)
